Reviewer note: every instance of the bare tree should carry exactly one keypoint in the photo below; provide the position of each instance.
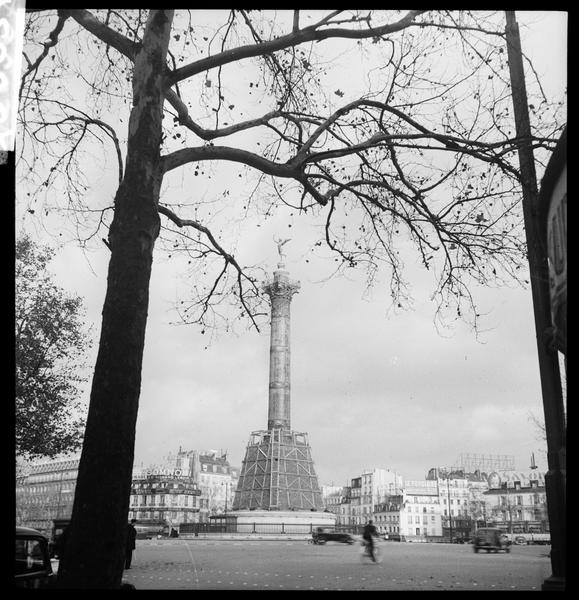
(425, 155)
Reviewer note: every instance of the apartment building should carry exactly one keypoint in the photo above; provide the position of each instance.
(517, 501)
(45, 491)
(420, 512)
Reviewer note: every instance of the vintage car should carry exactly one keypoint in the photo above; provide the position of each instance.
(321, 536)
(33, 568)
(491, 539)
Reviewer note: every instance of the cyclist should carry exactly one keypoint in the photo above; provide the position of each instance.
(368, 535)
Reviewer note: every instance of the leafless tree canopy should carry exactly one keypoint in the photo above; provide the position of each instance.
(418, 147)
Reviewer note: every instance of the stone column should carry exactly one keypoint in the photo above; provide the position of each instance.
(280, 292)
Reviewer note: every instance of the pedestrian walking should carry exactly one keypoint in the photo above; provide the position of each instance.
(130, 544)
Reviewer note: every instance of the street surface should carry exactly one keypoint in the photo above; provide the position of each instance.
(207, 564)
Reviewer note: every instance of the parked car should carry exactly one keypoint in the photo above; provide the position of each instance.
(392, 537)
(33, 568)
(491, 539)
(321, 536)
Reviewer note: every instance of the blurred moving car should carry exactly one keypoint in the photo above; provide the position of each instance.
(520, 539)
(149, 529)
(491, 539)
(321, 536)
(33, 568)
(392, 537)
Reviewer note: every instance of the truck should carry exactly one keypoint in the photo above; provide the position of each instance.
(530, 538)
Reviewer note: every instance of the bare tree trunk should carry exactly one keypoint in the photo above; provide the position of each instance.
(94, 554)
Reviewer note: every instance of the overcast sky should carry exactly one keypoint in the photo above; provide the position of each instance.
(372, 388)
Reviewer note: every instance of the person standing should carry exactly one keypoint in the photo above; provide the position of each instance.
(61, 543)
(368, 535)
(130, 543)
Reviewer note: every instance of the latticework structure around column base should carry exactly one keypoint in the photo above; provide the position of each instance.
(278, 473)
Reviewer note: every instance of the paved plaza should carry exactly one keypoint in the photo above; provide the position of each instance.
(208, 564)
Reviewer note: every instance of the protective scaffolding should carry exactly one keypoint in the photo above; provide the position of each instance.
(278, 474)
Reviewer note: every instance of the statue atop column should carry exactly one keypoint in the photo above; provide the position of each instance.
(280, 243)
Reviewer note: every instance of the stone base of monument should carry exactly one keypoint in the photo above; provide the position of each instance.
(282, 521)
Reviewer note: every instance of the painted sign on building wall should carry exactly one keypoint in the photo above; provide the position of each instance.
(557, 255)
(553, 218)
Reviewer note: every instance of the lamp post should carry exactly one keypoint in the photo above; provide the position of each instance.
(226, 484)
(449, 510)
(510, 510)
(549, 371)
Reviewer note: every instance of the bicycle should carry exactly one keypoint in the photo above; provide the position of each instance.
(365, 552)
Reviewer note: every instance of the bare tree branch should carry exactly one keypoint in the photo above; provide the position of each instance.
(229, 259)
(106, 34)
(309, 34)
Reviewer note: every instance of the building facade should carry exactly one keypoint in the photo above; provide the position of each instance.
(207, 470)
(387, 515)
(45, 491)
(376, 486)
(184, 487)
(420, 513)
(517, 502)
(164, 495)
(217, 481)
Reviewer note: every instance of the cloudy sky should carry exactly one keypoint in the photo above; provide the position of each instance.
(371, 387)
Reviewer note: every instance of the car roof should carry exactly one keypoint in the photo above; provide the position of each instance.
(28, 531)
